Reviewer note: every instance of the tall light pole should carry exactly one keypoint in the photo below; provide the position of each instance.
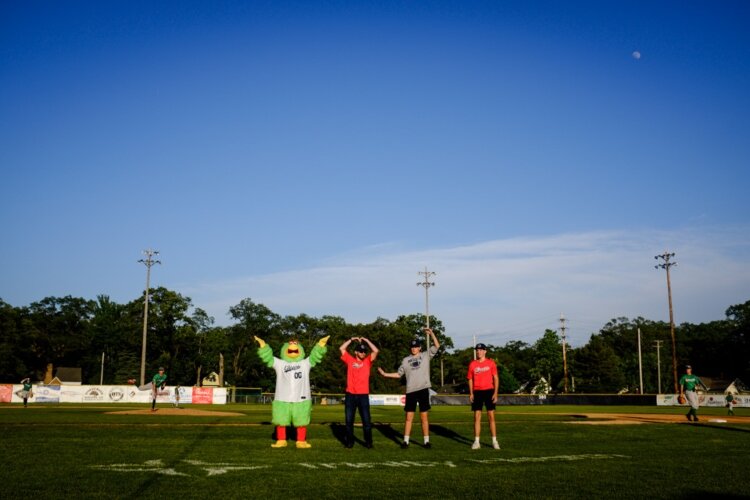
(427, 284)
(667, 264)
(148, 261)
(565, 356)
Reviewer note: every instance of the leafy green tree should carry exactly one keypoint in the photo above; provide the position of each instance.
(57, 331)
(597, 367)
(12, 353)
(508, 382)
(548, 357)
(253, 320)
(518, 357)
(738, 358)
(114, 333)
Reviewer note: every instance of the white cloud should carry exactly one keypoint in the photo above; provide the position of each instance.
(513, 289)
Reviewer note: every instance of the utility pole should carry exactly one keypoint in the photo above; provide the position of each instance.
(667, 264)
(565, 356)
(658, 362)
(640, 361)
(427, 284)
(148, 261)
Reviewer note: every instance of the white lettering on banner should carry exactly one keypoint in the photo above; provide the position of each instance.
(216, 469)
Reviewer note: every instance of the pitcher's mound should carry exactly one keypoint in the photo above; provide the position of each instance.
(187, 412)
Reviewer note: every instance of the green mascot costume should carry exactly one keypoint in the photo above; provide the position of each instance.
(292, 402)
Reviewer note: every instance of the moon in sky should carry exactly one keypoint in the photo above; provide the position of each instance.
(636, 55)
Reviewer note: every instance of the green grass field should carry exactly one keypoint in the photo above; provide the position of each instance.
(64, 451)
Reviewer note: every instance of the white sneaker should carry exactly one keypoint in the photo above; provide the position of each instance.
(475, 446)
(496, 445)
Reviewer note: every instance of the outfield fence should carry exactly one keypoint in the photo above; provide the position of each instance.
(113, 394)
(246, 395)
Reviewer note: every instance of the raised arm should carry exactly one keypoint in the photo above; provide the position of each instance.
(373, 350)
(434, 338)
(318, 351)
(343, 347)
(265, 352)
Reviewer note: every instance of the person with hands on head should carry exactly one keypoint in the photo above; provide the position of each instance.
(25, 392)
(358, 387)
(483, 386)
(416, 369)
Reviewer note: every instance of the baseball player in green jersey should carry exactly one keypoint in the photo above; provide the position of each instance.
(730, 403)
(26, 392)
(158, 382)
(688, 383)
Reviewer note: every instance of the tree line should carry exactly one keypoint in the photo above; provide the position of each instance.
(75, 332)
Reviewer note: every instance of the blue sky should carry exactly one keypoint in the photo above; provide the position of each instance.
(315, 155)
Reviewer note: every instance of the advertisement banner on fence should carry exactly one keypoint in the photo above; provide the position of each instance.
(44, 394)
(387, 400)
(72, 393)
(113, 394)
(6, 393)
(185, 393)
(220, 396)
(709, 400)
(203, 395)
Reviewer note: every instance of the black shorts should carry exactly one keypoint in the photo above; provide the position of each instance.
(421, 397)
(483, 398)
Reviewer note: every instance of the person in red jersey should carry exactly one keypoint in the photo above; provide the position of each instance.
(358, 387)
(483, 385)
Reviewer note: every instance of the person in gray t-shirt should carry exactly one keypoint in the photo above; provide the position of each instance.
(416, 369)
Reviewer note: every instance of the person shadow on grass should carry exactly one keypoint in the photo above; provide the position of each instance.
(339, 432)
(389, 432)
(450, 434)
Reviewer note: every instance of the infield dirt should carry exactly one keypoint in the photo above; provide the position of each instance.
(649, 418)
(186, 412)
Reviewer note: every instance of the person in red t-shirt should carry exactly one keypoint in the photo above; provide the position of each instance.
(358, 387)
(483, 385)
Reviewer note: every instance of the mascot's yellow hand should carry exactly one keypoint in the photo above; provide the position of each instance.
(322, 342)
(260, 341)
